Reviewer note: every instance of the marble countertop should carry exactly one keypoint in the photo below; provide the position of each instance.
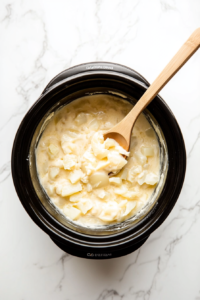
(38, 40)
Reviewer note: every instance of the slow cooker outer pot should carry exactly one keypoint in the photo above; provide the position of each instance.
(101, 75)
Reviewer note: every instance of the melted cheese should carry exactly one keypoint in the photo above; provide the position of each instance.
(73, 162)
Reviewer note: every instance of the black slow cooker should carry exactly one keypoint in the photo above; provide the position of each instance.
(121, 239)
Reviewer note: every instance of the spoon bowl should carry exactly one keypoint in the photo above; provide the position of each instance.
(119, 138)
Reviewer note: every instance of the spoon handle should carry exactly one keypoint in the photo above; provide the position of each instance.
(180, 58)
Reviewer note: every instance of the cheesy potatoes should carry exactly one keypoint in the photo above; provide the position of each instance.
(74, 162)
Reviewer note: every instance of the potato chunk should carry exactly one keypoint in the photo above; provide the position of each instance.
(110, 211)
(102, 164)
(89, 187)
(117, 161)
(69, 189)
(84, 205)
(98, 146)
(75, 176)
(148, 178)
(53, 172)
(133, 172)
(72, 212)
(130, 205)
(69, 161)
(131, 195)
(115, 180)
(99, 179)
(140, 158)
(112, 144)
(147, 151)
(94, 125)
(53, 149)
(81, 119)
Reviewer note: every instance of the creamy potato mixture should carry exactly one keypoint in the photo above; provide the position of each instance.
(73, 162)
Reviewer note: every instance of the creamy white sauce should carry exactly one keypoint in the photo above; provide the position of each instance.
(73, 162)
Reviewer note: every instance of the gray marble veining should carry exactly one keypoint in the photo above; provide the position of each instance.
(41, 38)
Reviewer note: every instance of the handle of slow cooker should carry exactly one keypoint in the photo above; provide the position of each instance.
(93, 66)
(92, 253)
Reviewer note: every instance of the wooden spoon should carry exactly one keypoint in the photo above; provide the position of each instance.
(122, 131)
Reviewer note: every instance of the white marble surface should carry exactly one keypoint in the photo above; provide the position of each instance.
(40, 38)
